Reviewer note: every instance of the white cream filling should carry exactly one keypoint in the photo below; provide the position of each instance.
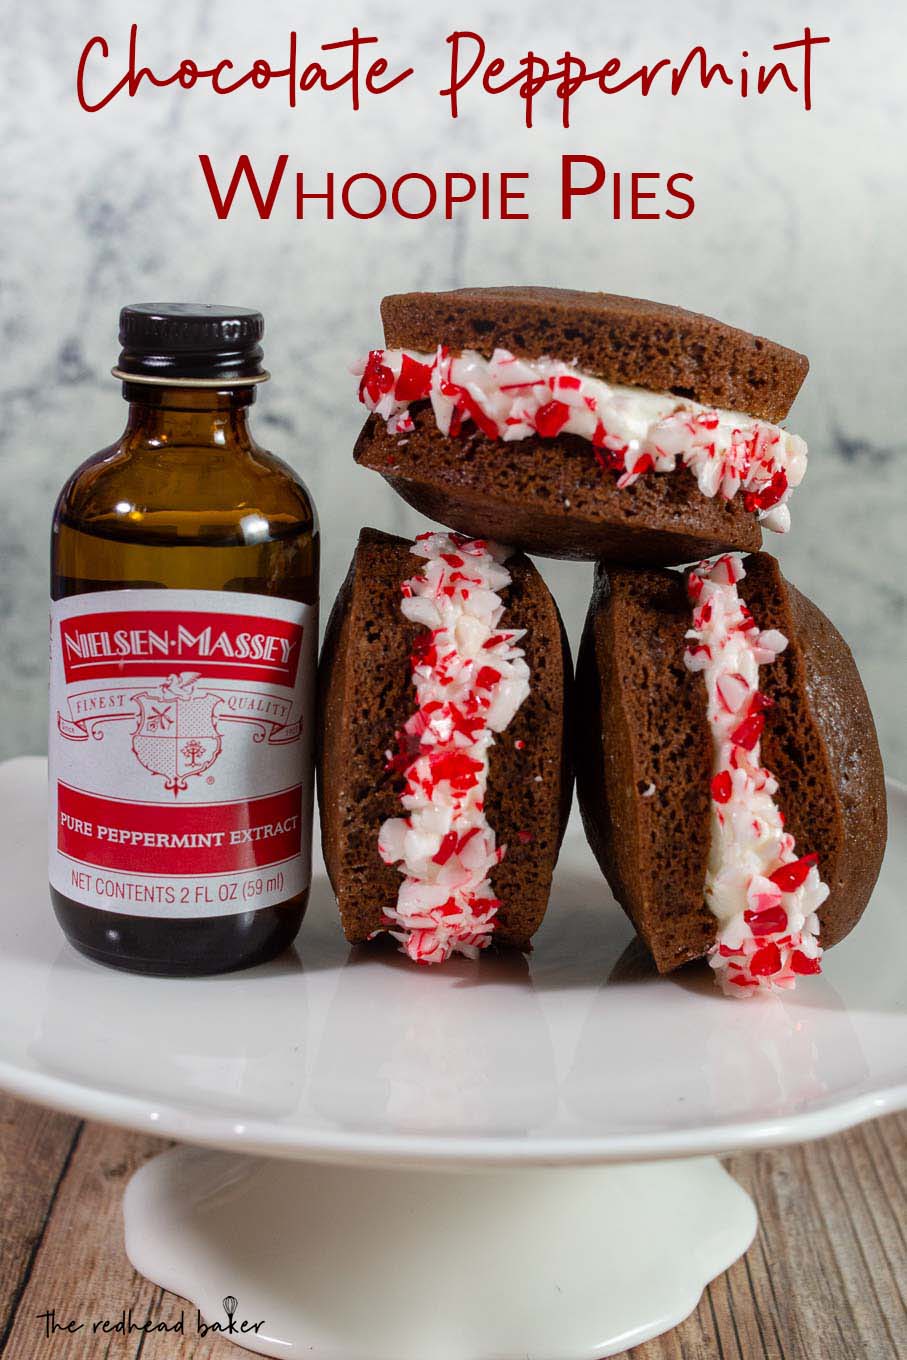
(748, 840)
(471, 675)
(637, 430)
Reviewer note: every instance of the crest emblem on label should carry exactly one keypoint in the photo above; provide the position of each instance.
(177, 736)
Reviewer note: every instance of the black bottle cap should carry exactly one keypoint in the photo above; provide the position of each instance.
(191, 344)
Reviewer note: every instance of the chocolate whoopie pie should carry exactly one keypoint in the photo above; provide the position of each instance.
(729, 775)
(582, 425)
(443, 768)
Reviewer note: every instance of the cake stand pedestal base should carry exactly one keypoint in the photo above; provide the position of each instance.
(343, 1263)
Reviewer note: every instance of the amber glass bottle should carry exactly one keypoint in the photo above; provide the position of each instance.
(184, 587)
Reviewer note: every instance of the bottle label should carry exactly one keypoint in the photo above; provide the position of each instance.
(181, 750)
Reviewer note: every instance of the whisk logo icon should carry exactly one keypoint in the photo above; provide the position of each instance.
(231, 1327)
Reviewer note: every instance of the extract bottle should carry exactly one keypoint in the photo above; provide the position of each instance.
(184, 598)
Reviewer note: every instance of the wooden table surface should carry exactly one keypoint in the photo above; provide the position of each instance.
(825, 1279)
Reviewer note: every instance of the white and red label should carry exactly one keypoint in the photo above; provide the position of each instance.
(181, 750)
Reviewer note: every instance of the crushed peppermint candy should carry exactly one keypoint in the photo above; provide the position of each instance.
(632, 431)
(470, 677)
(764, 895)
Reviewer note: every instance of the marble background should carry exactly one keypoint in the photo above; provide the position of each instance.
(798, 234)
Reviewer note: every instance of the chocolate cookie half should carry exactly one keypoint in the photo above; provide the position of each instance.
(729, 775)
(444, 771)
(582, 425)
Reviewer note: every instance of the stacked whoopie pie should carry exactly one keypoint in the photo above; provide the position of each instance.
(728, 770)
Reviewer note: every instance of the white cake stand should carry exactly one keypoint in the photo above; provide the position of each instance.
(487, 1161)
